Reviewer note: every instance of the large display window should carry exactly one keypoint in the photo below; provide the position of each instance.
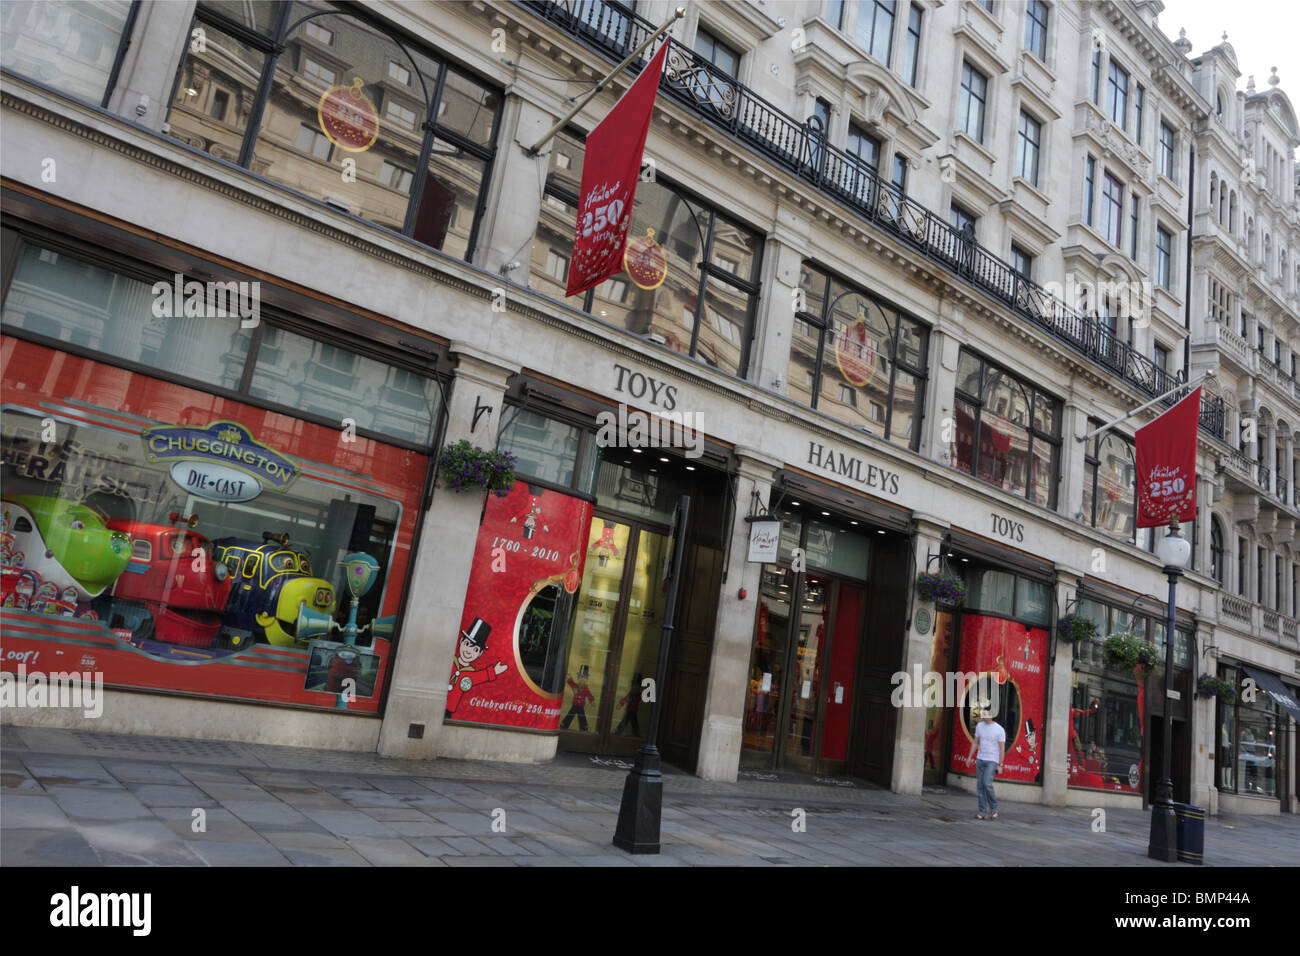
(164, 524)
(182, 541)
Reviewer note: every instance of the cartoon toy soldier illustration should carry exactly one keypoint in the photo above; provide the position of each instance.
(532, 513)
(582, 696)
(463, 676)
(631, 700)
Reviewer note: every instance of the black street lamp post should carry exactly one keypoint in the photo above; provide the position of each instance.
(1174, 550)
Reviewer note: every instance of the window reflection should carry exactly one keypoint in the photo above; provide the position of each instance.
(67, 46)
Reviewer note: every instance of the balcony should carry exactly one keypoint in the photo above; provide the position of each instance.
(1234, 346)
(801, 149)
(1258, 621)
(1241, 466)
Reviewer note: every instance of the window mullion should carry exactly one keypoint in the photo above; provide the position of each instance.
(422, 163)
(264, 90)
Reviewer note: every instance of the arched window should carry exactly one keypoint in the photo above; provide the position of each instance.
(1110, 484)
(1214, 191)
(1216, 550)
(1232, 212)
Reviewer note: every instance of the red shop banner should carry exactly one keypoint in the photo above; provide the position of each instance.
(1166, 465)
(610, 173)
(1011, 662)
(528, 563)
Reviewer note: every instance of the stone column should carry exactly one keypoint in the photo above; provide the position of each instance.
(938, 429)
(1074, 425)
(427, 645)
(909, 736)
(1204, 508)
(773, 341)
(728, 681)
(149, 67)
(1056, 739)
(1204, 730)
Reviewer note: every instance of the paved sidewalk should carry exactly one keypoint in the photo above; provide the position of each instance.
(75, 798)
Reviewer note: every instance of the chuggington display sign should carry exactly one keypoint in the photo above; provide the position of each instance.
(527, 568)
(221, 462)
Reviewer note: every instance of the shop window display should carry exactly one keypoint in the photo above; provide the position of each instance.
(183, 540)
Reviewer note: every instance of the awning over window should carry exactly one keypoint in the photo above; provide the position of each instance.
(1270, 685)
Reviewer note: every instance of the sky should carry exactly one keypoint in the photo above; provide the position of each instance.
(1264, 34)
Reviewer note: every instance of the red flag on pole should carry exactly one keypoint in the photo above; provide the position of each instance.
(610, 171)
(1166, 465)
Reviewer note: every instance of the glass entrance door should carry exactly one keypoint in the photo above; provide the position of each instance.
(803, 672)
(614, 643)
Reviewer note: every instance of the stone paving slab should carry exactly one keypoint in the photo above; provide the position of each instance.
(77, 798)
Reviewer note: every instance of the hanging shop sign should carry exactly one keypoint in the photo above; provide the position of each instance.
(1010, 661)
(764, 540)
(1166, 465)
(508, 668)
(348, 118)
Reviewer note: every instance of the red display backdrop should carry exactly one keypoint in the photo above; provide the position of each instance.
(531, 547)
(104, 409)
(1015, 658)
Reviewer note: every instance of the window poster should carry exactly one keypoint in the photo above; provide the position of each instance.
(510, 653)
(187, 542)
(1010, 661)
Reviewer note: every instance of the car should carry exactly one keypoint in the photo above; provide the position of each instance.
(59, 546)
(173, 589)
(269, 583)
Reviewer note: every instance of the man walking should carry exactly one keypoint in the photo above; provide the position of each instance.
(991, 744)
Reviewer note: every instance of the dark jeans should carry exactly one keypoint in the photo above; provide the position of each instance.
(575, 711)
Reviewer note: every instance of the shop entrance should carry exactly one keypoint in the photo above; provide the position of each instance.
(615, 642)
(800, 704)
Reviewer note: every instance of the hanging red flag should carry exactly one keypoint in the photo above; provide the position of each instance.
(1166, 465)
(610, 171)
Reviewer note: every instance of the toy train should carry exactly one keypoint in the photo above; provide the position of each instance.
(160, 582)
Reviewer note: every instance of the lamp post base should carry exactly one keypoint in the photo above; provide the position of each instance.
(640, 811)
(1163, 842)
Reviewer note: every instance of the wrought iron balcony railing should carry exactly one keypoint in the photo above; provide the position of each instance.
(802, 149)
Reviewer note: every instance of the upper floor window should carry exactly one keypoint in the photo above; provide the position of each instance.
(1008, 432)
(857, 359)
(961, 220)
(974, 92)
(912, 51)
(1028, 138)
(69, 47)
(703, 307)
(1094, 76)
(899, 178)
(875, 28)
(1022, 262)
(710, 48)
(1134, 222)
(1167, 140)
(1089, 188)
(379, 100)
(1112, 209)
(1036, 29)
(1139, 105)
(1117, 95)
(1216, 550)
(1110, 484)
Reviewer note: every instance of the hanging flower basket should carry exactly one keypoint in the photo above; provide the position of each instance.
(1128, 652)
(464, 467)
(1211, 686)
(944, 587)
(1074, 628)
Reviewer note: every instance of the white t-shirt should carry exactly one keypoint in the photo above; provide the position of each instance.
(988, 736)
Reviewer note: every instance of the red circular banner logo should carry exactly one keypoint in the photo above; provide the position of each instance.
(348, 118)
(645, 262)
(855, 352)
